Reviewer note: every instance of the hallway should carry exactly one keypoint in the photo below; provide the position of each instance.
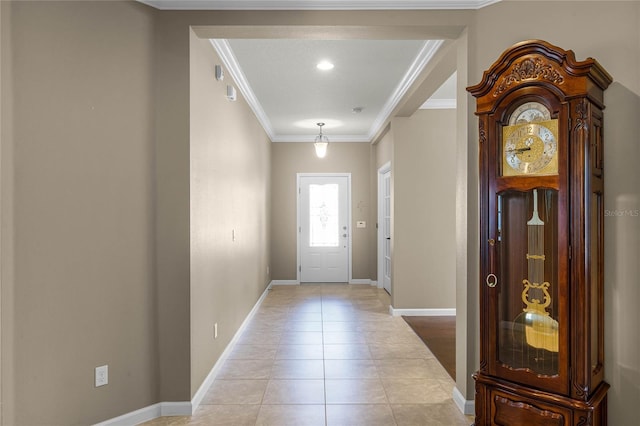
(328, 354)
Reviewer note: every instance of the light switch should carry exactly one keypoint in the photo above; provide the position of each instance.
(361, 224)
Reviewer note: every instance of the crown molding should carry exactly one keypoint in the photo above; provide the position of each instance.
(422, 59)
(231, 63)
(312, 138)
(317, 4)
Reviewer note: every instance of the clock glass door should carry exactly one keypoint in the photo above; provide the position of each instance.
(527, 301)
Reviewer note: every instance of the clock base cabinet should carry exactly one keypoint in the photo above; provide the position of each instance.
(541, 203)
(502, 403)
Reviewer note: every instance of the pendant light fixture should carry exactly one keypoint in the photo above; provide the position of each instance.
(321, 143)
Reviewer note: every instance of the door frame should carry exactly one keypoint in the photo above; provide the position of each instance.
(386, 167)
(299, 220)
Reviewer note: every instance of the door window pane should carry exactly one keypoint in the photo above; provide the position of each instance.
(323, 215)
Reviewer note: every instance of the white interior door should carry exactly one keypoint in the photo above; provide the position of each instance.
(386, 230)
(323, 207)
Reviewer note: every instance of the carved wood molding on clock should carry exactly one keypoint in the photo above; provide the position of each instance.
(529, 69)
(582, 122)
(483, 133)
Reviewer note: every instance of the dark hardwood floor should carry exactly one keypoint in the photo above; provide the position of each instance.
(439, 334)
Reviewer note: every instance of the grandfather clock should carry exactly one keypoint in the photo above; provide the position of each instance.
(541, 239)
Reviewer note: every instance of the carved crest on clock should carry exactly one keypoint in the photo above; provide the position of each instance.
(529, 69)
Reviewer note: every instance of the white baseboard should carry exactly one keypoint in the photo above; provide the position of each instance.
(360, 281)
(437, 312)
(467, 407)
(149, 413)
(285, 282)
(186, 408)
(353, 281)
(206, 384)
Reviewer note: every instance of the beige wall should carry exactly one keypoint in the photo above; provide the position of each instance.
(101, 196)
(384, 150)
(83, 293)
(6, 204)
(172, 201)
(230, 173)
(424, 181)
(292, 158)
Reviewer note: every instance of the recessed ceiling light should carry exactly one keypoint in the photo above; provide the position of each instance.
(325, 66)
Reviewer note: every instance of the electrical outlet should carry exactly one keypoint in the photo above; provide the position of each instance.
(215, 330)
(102, 375)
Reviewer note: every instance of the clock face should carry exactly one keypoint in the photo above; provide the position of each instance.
(529, 112)
(530, 148)
(530, 142)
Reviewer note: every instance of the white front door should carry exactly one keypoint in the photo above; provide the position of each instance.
(323, 232)
(384, 226)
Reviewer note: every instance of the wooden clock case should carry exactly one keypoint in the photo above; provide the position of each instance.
(570, 390)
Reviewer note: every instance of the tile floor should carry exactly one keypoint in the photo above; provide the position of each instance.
(328, 354)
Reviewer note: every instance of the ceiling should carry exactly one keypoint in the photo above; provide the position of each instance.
(290, 95)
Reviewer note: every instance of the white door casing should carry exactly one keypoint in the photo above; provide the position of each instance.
(324, 238)
(384, 227)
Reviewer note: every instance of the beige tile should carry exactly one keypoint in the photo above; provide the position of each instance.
(360, 415)
(298, 369)
(254, 352)
(270, 317)
(294, 392)
(306, 306)
(305, 316)
(333, 340)
(355, 391)
(339, 316)
(235, 392)
(437, 370)
(350, 369)
(301, 338)
(399, 351)
(340, 326)
(392, 338)
(405, 368)
(373, 316)
(225, 415)
(343, 337)
(381, 326)
(303, 326)
(291, 415)
(260, 337)
(299, 352)
(278, 309)
(415, 391)
(246, 369)
(346, 352)
(430, 415)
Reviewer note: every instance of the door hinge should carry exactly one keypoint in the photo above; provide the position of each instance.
(570, 249)
(300, 268)
(299, 191)
(300, 229)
